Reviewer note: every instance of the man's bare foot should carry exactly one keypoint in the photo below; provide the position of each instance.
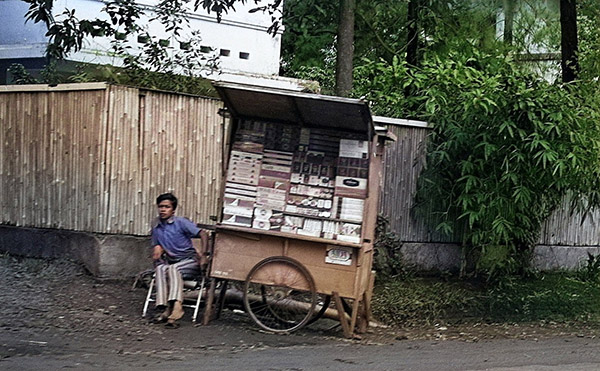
(163, 316)
(177, 311)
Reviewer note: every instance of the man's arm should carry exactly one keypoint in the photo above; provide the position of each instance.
(157, 252)
(204, 239)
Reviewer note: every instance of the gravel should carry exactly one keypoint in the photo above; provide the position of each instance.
(59, 301)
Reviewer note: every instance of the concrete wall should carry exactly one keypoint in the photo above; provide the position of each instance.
(121, 256)
(446, 256)
(105, 256)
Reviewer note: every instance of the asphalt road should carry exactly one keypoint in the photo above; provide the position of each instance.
(39, 353)
(54, 316)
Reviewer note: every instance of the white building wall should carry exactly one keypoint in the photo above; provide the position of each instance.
(238, 32)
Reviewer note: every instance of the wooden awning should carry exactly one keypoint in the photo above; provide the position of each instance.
(290, 107)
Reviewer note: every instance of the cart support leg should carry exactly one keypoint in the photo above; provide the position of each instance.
(354, 315)
(364, 315)
(342, 315)
(221, 301)
(208, 307)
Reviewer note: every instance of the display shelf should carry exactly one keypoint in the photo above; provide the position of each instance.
(322, 218)
(223, 227)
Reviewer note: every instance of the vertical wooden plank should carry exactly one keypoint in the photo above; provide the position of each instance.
(346, 329)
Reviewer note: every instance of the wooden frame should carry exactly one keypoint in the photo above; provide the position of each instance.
(237, 249)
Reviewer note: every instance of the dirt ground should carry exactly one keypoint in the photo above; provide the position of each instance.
(58, 303)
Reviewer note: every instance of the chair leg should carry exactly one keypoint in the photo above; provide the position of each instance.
(198, 300)
(148, 298)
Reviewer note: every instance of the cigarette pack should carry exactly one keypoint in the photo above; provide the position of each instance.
(311, 227)
(339, 255)
(352, 209)
(330, 229)
(240, 192)
(238, 211)
(354, 148)
(275, 183)
(350, 187)
(291, 224)
(238, 201)
(261, 224)
(261, 213)
(237, 220)
(349, 232)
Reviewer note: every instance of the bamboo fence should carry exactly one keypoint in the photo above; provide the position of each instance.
(404, 160)
(93, 157)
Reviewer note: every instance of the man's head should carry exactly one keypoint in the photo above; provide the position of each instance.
(167, 203)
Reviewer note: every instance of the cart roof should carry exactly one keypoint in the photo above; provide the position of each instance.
(304, 109)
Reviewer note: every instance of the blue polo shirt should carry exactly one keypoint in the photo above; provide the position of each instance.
(174, 235)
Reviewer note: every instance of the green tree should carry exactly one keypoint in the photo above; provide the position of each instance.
(506, 149)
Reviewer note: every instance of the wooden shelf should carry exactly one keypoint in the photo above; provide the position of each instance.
(307, 196)
(324, 218)
(223, 227)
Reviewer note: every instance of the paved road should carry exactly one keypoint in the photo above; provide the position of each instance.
(54, 316)
(41, 353)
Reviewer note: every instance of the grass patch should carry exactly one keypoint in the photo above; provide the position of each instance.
(415, 301)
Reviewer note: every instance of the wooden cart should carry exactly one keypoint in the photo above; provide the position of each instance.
(288, 277)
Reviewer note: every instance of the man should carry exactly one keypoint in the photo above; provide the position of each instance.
(174, 256)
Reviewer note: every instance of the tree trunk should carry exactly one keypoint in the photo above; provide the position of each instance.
(568, 42)
(412, 44)
(509, 20)
(345, 48)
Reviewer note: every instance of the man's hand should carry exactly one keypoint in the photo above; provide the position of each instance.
(157, 252)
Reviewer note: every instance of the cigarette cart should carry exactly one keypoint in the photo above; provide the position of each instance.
(299, 207)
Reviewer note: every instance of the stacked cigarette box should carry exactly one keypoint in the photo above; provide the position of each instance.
(351, 188)
(273, 187)
(281, 137)
(238, 204)
(243, 173)
(311, 182)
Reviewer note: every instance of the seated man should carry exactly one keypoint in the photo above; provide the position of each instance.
(174, 256)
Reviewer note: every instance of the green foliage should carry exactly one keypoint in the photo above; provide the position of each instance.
(140, 77)
(591, 271)
(505, 150)
(589, 38)
(422, 301)
(311, 26)
(388, 257)
(419, 301)
(20, 75)
(554, 297)
(157, 58)
(137, 77)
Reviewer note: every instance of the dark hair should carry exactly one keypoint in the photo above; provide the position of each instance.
(169, 197)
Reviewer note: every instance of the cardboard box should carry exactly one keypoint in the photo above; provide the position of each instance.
(330, 229)
(311, 227)
(350, 187)
(240, 192)
(354, 148)
(237, 220)
(239, 211)
(261, 213)
(261, 224)
(242, 201)
(349, 232)
(275, 183)
(291, 224)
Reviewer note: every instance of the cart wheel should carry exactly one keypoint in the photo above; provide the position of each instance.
(323, 302)
(280, 294)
